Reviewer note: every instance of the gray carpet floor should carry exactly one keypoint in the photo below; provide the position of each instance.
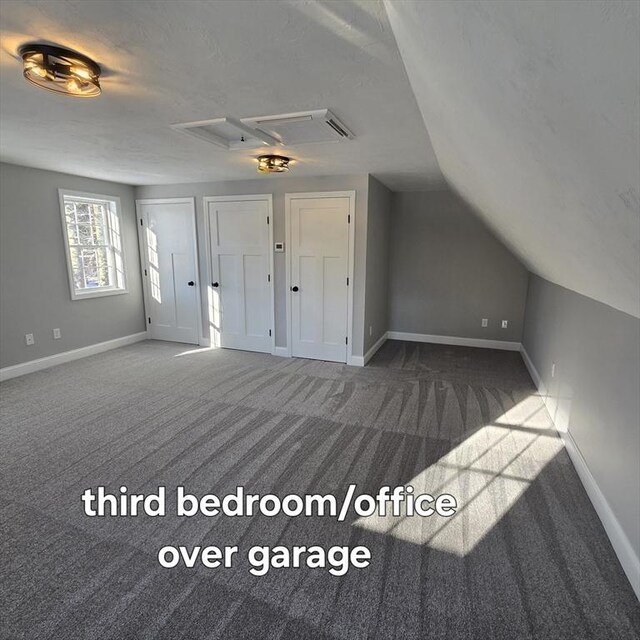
(524, 557)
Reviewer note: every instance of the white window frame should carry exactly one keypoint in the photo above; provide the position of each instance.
(98, 292)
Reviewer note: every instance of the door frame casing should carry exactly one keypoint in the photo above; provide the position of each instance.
(264, 197)
(144, 258)
(313, 195)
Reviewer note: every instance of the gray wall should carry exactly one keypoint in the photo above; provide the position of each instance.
(448, 271)
(34, 286)
(278, 186)
(595, 389)
(532, 109)
(376, 310)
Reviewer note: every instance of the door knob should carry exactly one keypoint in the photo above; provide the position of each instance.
(294, 289)
(191, 283)
(215, 284)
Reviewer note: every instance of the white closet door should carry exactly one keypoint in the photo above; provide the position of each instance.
(168, 242)
(240, 313)
(319, 271)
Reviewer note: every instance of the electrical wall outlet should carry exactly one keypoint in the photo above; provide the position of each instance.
(485, 322)
(56, 334)
(28, 338)
(505, 324)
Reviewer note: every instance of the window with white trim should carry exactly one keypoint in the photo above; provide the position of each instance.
(92, 232)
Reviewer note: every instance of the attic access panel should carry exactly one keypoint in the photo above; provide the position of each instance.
(227, 133)
(289, 129)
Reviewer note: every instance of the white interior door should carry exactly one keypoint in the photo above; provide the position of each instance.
(319, 247)
(241, 306)
(168, 244)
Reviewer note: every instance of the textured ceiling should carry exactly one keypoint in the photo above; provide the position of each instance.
(170, 62)
(533, 112)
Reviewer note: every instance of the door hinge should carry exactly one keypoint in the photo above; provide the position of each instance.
(149, 320)
(347, 282)
(145, 272)
(267, 219)
(349, 218)
(269, 277)
(141, 223)
(269, 332)
(346, 340)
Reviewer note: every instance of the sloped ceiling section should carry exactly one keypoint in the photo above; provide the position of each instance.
(533, 113)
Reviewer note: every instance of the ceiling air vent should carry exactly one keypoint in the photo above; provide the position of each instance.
(302, 127)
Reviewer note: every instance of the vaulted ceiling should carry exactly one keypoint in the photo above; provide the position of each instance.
(531, 108)
(533, 111)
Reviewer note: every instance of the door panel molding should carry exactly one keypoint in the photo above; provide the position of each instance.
(289, 198)
(144, 258)
(261, 197)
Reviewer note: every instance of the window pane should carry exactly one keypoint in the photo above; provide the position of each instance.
(92, 228)
(85, 234)
(104, 272)
(72, 233)
(99, 225)
(90, 268)
(76, 268)
(94, 231)
(95, 267)
(83, 212)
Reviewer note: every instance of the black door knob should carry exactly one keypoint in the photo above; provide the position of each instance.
(215, 284)
(294, 289)
(191, 283)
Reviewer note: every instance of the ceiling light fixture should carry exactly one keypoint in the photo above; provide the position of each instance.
(273, 164)
(60, 70)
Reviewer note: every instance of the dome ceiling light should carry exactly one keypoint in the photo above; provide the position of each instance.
(273, 164)
(60, 70)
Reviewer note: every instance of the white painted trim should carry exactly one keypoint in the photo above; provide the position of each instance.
(101, 291)
(533, 372)
(183, 200)
(68, 356)
(351, 268)
(454, 340)
(372, 351)
(287, 271)
(351, 195)
(144, 258)
(619, 540)
(263, 197)
(282, 352)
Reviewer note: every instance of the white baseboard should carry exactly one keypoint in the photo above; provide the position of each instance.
(621, 545)
(372, 352)
(282, 352)
(454, 340)
(533, 372)
(360, 361)
(619, 540)
(67, 356)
